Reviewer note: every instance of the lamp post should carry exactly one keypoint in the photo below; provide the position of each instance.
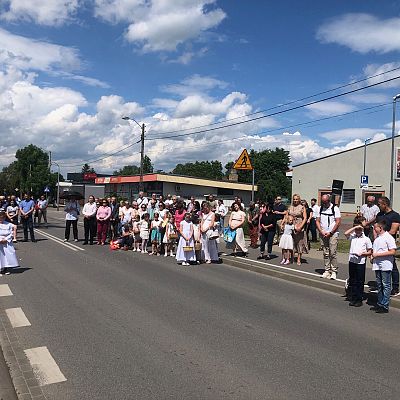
(395, 98)
(365, 153)
(58, 183)
(142, 127)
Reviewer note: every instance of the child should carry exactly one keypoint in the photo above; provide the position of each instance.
(155, 234)
(8, 258)
(360, 248)
(136, 234)
(197, 237)
(186, 240)
(144, 231)
(126, 237)
(170, 237)
(286, 241)
(384, 249)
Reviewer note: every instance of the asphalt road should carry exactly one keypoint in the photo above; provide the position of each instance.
(122, 325)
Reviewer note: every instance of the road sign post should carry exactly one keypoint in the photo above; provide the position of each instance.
(244, 163)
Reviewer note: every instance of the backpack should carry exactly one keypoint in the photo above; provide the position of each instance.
(329, 215)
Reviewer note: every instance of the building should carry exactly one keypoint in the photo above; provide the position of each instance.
(314, 178)
(183, 186)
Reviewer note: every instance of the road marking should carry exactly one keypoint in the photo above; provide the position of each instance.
(56, 239)
(44, 367)
(5, 290)
(17, 317)
(288, 269)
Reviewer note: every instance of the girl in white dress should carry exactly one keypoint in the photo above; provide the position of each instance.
(144, 231)
(209, 246)
(286, 242)
(8, 258)
(186, 240)
(136, 234)
(170, 236)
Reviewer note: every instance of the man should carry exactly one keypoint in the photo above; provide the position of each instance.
(213, 202)
(168, 201)
(89, 220)
(42, 210)
(192, 205)
(313, 226)
(142, 199)
(369, 211)
(253, 216)
(328, 222)
(279, 210)
(27, 207)
(392, 220)
(114, 218)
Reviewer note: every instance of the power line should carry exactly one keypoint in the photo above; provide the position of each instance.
(281, 105)
(279, 112)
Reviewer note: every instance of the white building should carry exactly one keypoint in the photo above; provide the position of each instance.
(314, 178)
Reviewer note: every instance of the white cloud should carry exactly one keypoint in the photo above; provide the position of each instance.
(161, 25)
(328, 108)
(30, 54)
(42, 12)
(377, 69)
(343, 135)
(362, 33)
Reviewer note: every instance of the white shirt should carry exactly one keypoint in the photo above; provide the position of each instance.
(143, 200)
(327, 218)
(359, 244)
(89, 210)
(42, 204)
(72, 211)
(315, 209)
(382, 244)
(369, 213)
(221, 210)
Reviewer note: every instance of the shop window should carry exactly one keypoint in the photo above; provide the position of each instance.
(349, 196)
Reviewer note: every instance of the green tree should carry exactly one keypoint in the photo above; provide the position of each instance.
(128, 170)
(87, 169)
(9, 178)
(148, 167)
(200, 169)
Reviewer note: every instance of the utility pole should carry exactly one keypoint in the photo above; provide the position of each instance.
(141, 186)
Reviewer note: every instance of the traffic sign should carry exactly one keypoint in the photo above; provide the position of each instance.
(243, 162)
(46, 189)
(364, 180)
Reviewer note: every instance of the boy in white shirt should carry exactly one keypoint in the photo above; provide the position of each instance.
(384, 249)
(360, 248)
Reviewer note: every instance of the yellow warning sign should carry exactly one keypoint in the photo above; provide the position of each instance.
(243, 162)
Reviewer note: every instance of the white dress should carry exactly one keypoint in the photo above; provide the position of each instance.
(209, 249)
(144, 229)
(185, 255)
(286, 242)
(8, 258)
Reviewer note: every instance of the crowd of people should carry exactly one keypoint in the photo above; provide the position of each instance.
(191, 232)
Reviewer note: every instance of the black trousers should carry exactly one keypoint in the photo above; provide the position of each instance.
(127, 241)
(90, 227)
(267, 237)
(356, 281)
(27, 223)
(312, 227)
(74, 224)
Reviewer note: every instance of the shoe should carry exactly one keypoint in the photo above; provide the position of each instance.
(185, 263)
(65, 240)
(286, 262)
(85, 243)
(75, 240)
(326, 275)
(373, 290)
(143, 252)
(382, 310)
(333, 276)
(394, 293)
(355, 304)
(268, 257)
(7, 273)
(172, 254)
(208, 262)
(91, 243)
(165, 254)
(34, 241)
(133, 249)
(283, 261)
(15, 241)
(374, 308)
(261, 257)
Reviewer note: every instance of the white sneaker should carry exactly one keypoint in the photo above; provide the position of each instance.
(65, 240)
(326, 275)
(143, 252)
(172, 254)
(166, 255)
(185, 263)
(133, 249)
(333, 275)
(75, 240)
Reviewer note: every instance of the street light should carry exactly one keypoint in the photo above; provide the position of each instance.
(395, 98)
(365, 153)
(142, 127)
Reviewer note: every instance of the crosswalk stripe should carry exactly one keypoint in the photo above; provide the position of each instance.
(5, 290)
(44, 366)
(61, 240)
(17, 317)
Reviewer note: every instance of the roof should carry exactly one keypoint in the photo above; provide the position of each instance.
(189, 180)
(341, 152)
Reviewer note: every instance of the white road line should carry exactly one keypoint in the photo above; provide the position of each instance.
(60, 240)
(17, 317)
(57, 241)
(5, 290)
(44, 367)
(288, 269)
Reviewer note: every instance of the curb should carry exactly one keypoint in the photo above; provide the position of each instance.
(7, 390)
(295, 277)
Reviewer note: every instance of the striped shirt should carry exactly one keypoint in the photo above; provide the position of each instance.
(369, 213)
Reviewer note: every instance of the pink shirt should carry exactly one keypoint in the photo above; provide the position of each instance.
(103, 212)
(179, 217)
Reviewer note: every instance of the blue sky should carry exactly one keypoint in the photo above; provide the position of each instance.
(70, 69)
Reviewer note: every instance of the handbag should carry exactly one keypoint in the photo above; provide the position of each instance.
(173, 236)
(197, 245)
(229, 235)
(212, 234)
(187, 248)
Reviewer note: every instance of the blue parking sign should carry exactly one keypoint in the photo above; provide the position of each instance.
(364, 179)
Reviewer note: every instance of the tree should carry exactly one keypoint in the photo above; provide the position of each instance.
(128, 170)
(147, 165)
(87, 169)
(200, 169)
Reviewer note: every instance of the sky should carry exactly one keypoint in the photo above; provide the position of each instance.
(71, 69)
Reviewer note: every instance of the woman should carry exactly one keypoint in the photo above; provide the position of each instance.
(253, 216)
(8, 258)
(12, 213)
(299, 214)
(267, 231)
(179, 214)
(236, 222)
(72, 211)
(209, 246)
(103, 216)
(221, 211)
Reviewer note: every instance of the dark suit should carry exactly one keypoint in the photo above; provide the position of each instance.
(114, 220)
